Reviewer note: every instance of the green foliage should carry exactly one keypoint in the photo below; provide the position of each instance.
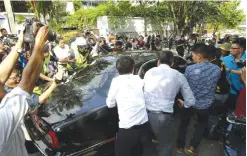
(30, 7)
(77, 4)
(86, 18)
(68, 35)
(54, 9)
(228, 16)
(57, 15)
(184, 14)
(20, 19)
(43, 8)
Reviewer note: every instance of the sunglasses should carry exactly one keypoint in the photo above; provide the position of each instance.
(235, 48)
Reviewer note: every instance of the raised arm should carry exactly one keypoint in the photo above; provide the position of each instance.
(8, 63)
(46, 78)
(32, 71)
(44, 96)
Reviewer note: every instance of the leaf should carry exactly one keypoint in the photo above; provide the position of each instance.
(20, 19)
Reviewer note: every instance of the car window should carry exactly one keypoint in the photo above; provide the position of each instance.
(79, 94)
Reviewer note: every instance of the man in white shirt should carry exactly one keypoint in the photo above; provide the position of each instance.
(126, 92)
(62, 52)
(15, 104)
(161, 86)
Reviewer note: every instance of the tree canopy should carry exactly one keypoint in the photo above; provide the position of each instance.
(185, 15)
(228, 16)
(52, 12)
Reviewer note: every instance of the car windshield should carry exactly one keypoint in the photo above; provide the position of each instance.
(69, 99)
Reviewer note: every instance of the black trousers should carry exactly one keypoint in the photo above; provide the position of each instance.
(231, 101)
(134, 141)
(185, 116)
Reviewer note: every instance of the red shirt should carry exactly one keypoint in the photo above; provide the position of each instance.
(241, 103)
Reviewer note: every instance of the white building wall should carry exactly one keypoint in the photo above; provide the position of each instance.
(131, 27)
(70, 7)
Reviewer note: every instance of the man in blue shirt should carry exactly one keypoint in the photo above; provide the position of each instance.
(233, 71)
(202, 77)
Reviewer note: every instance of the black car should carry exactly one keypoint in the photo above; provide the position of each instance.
(77, 120)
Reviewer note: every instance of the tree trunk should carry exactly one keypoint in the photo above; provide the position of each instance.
(215, 29)
(175, 21)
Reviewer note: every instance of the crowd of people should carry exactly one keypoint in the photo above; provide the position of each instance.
(29, 75)
(119, 43)
(18, 99)
(217, 78)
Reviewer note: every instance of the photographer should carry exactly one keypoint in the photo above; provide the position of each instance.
(233, 71)
(223, 86)
(3, 52)
(4, 33)
(48, 70)
(15, 104)
(4, 39)
(15, 77)
(8, 64)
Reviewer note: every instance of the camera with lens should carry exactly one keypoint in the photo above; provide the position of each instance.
(12, 39)
(8, 41)
(31, 29)
(241, 64)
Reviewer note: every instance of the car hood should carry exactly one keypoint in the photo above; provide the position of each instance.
(86, 91)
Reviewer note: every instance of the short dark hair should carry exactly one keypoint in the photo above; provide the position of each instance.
(2, 30)
(166, 57)
(119, 43)
(218, 53)
(212, 51)
(125, 65)
(203, 49)
(58, 39)
(241, 43)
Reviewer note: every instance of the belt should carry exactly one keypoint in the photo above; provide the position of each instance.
(145, 125)
(159, 112)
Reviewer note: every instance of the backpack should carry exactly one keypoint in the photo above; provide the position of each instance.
(223, 86)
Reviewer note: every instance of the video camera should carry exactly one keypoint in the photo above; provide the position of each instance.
(241, 64)
(31, 29)
(91, 40)
(8, 41)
